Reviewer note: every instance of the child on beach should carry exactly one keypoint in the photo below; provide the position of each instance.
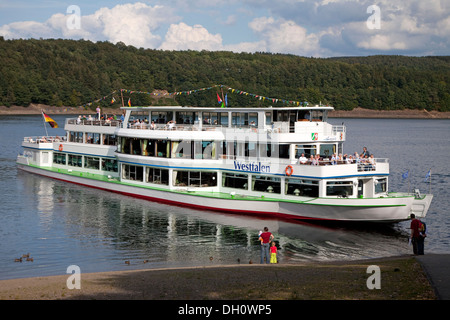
(273, 253)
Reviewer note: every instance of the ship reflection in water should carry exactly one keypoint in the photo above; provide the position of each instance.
(97, 230)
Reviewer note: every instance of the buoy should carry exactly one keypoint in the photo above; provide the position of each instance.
(289, 170)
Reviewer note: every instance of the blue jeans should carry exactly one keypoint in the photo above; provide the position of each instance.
(265, 252)
(418, 245)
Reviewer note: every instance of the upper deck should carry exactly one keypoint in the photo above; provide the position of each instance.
(306, 123)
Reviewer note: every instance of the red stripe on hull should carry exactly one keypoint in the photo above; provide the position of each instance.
(190, 205)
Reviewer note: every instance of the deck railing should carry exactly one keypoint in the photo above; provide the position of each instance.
(44, 139)
(276, 127)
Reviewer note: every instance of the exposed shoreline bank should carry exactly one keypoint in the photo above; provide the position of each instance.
(402, 278)
(355, 113)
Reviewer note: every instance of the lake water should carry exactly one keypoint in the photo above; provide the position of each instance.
(61, 224)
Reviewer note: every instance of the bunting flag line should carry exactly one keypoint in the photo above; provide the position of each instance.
(189, 92)
(49, 120)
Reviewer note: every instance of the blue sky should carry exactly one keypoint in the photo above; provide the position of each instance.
(318, 28)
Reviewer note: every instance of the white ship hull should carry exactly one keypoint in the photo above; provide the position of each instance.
(390, 209)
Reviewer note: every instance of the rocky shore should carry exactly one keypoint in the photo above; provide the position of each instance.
(355, 113)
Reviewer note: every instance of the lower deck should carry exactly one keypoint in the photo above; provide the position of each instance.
(223, 177)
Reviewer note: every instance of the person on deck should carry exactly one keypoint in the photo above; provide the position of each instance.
(302, 159)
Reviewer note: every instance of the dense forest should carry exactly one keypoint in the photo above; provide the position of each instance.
(73, 73)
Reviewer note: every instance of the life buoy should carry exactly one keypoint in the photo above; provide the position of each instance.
(289, 170)
(60, 147)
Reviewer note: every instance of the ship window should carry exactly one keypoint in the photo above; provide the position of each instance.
(317, 115)
(239, 118)
(157, 175)
(327, 150)
(253, 119)
(340, 188)
(266, 184)
(302, 187)
(181, 149)
(185, 117)
(211, 118)
(284, 151)
(223, 119)
(161, 117)
(109, 140)
(76, 137)
(130, 172)
(162, 148)
(194, 178)
(234, 180)
(59, 158)
(308, 150)
(381, 185)
(92, 163)
(268, 118)
(109, 165)
(75, 160)
(131, 146)
(265, 150)
(250, 149)
(204, 150)
(149, 147)
(93, 138)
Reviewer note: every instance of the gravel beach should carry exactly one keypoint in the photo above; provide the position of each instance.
(402, 278)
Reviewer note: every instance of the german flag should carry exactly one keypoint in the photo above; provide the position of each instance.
(50, 121)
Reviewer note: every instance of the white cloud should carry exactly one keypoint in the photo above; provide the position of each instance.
(182, 37)
(26, 29)
(382, 43)
(284, 36)
(407, 27)
(302, 27)
(134, 24)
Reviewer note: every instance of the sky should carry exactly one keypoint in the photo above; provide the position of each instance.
(311, 28)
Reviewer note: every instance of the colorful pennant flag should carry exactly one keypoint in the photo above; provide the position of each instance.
(129, 102)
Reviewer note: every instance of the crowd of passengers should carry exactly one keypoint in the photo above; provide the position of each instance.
(104, 117)
(364, 158)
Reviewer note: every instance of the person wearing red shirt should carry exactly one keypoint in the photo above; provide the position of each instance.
(417, 239)
(273, 253)
(265, 239)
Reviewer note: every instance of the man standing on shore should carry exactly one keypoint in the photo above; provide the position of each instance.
(266, 237)
(417, 239)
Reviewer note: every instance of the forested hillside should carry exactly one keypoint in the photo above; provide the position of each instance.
(73, 73)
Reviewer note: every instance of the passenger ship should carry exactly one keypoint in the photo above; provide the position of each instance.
(239, 160)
